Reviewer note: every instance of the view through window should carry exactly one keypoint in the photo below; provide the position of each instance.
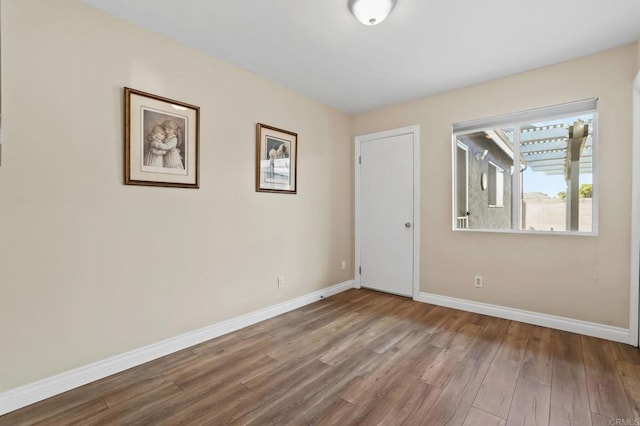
(534, 173)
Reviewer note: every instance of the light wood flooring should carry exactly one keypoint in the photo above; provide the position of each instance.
(363, 357)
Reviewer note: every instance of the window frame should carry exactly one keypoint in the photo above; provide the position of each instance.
(515, 121)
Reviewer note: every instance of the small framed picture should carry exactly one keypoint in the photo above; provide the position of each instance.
(161, 141)
(276, 165)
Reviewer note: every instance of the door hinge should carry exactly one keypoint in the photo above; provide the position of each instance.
(359, 159)
(360, 270)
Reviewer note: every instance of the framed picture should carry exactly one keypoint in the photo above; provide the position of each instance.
(161, 141)
(276, 165)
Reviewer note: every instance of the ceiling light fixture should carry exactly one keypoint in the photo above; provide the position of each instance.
(371, 12)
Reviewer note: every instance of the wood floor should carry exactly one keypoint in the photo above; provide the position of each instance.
(363, 357)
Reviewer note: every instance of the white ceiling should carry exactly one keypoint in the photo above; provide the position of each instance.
(316, 47)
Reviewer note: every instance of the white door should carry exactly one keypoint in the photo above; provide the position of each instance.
(386, 213)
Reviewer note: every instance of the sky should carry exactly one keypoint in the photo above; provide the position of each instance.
(552, 184)
(548, 184)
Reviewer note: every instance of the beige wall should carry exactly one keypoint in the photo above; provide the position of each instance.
(91, 268)
(585, 278)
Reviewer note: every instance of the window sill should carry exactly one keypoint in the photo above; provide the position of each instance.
(526, 232)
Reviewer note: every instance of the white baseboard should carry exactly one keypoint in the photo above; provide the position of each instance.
(616, 334)
(28, 394)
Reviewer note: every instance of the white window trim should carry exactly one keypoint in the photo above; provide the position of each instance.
(512, 119)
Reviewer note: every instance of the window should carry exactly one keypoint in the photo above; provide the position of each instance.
(495, 186)
(530, 171)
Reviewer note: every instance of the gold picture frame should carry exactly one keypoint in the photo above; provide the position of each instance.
(161, 141)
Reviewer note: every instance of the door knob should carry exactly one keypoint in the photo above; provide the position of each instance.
(407, 225)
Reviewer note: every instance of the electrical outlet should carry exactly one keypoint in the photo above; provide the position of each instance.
(343, 264)
(478, 281)
(280, 282)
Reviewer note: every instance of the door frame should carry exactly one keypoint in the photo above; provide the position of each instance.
(634, 285)
(415, 132)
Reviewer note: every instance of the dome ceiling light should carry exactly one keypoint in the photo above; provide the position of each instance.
(371, 12)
